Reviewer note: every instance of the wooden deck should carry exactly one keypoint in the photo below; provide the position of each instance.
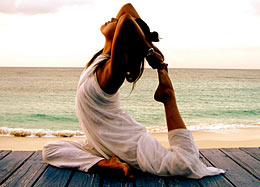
(26, 168)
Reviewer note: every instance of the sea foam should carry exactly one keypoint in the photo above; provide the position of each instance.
(20, 132)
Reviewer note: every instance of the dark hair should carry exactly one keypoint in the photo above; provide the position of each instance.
(150, 36)
(135, 75)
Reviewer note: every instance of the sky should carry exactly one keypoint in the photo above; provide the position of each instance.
(195, 33)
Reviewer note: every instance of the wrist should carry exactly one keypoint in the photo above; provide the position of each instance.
(149, 52)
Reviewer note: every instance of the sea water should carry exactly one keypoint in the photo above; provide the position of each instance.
(43, 99)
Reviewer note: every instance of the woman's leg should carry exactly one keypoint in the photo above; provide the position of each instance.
(70, 154)
(182, 157)
(74, 154)
(165, 94)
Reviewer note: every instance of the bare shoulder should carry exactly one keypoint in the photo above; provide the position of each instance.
(108, 81)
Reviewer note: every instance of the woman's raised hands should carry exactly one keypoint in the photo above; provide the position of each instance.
(156, 60)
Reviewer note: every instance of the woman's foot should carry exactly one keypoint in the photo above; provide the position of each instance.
(164, 90)
(115, 163)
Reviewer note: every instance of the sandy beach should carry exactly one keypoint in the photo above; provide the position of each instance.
(204, 139)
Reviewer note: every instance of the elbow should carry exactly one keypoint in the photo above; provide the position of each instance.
(127, 6)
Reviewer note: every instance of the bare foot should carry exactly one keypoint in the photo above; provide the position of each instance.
(115, 163)
(164, 90)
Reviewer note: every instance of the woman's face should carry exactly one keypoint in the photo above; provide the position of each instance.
(108, 29)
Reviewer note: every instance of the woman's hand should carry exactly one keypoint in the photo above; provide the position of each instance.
(156, 60)
(157, 50)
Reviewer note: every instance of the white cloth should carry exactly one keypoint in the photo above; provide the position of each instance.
(181, 159)
(111, 131)
(108, 128)
(70, 154)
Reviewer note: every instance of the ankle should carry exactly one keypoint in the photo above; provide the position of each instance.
(170, 93)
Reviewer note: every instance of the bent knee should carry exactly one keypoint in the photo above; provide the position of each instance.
(50, 151)
(46, 152)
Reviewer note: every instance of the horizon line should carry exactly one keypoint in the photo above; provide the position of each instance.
(68, 67)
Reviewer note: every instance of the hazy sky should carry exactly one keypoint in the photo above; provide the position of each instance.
(196, 33)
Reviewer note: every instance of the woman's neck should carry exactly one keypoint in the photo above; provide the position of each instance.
(107, 47)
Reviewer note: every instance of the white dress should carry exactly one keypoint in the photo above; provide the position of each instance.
(111, 131)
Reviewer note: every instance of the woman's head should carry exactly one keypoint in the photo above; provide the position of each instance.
(108, 29)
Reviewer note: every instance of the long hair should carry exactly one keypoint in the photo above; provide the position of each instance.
(133, 74)
(135, 66)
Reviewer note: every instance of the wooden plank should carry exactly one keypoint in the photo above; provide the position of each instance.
(114, 181)
(179, 182)
(4, 153)
(253, 151)
(146, 179)
(234, 173)
(113, 178)
(23, 168)
(80, 178)
(245, 160)
(12, 162)
(213, 181)
(28, 173)
(54, 176)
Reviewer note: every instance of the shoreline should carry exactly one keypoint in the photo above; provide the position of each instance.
(226, 138)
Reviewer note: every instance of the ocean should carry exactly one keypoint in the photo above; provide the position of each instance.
(41, 101)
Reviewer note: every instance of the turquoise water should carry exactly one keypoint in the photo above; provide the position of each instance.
(43, 98)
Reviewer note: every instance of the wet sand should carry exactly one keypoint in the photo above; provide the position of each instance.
(204, 139)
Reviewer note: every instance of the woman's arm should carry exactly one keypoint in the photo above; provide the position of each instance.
(128, 43)
(127, 9)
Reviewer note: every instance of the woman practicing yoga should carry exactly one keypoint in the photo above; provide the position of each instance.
(114, 139)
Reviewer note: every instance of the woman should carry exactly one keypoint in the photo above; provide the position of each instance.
(115, 140)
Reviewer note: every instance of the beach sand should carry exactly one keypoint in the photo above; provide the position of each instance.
(204, 139)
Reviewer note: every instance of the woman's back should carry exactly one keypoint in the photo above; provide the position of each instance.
(108, 128)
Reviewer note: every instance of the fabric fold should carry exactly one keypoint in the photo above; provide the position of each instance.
(181, 159)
